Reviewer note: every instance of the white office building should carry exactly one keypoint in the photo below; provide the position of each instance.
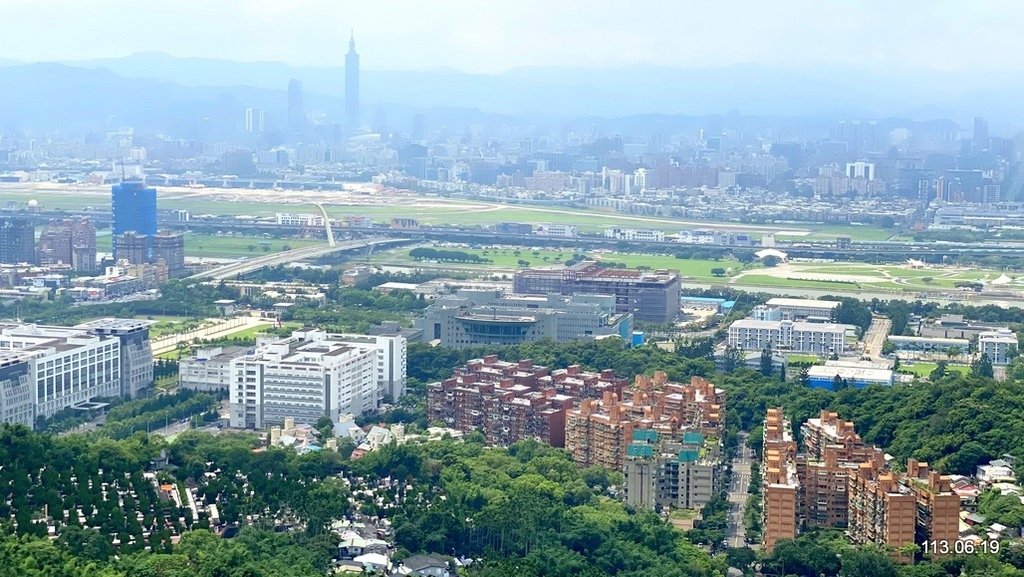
(559, 230)
(786, 335)
(642, 235)
(209, 369)
(299, 219)
(64, 366)
(306, 376)
(798, 309)
(391, 360)
(997, 344)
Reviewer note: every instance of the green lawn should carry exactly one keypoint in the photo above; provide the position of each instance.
(240, 246)
(249, 333)
(507, 258)
(923, 369)
(682, 514)
(440, 211)
(831, 231)
(798, 358)
(771, 281)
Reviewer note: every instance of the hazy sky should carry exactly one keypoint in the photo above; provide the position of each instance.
(494, 35)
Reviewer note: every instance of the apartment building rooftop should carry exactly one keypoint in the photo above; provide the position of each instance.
(802, 303)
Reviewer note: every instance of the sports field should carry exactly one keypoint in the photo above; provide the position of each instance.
(508, 258)
(925, 369)
(240, 246)
(382, 208)
(834, 277)
(225, 246)
(854, 276)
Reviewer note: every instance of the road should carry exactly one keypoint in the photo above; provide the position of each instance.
(735, 533)
(218, 328)
(173, 429)
(874, 338)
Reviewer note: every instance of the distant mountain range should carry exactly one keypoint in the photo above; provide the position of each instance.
(193, 97)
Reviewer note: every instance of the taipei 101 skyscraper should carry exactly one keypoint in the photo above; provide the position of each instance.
(352, 86)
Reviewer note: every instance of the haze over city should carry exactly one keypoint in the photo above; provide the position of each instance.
(511, 289)
(949, 36)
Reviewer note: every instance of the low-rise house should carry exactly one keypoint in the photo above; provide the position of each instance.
(426, 566)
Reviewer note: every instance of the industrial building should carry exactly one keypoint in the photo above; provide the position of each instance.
(853, 373)
(652, 296)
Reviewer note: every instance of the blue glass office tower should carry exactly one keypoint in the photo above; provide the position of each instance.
(133, 207)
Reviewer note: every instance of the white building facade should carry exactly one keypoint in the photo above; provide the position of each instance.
(797, 309)
(306, 376)
(642, 235)
(796, 336)
(997, 345)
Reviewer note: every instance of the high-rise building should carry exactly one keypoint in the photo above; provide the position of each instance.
(682, 473)
(17, 240)
(841, 483)
(309, 375)
(780, 493)
(254, 120)
(135, 353)
(599, 431)
(998, 345)
(70, 241)
(169, 247)
(651, 296)
(296, 108)
(46, 369)
(132, 247)
(352, 85)
(133, 208)
(511, 401)
(981, 138)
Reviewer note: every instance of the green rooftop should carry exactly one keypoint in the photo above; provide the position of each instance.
(645, 435)
(688, 456)
(692, 438)
(636, 450)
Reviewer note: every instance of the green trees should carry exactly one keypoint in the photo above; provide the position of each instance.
(852, 311)
(954, 423)
(427, 253)
(982, 367)
(767, 365)
(732, 359)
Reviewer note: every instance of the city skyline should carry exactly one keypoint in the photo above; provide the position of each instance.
(606, 35)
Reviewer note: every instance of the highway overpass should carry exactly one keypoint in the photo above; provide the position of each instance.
(254, 264)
